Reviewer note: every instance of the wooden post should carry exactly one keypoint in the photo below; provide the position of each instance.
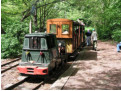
(30, 27)
(82, 35)
(79, 36)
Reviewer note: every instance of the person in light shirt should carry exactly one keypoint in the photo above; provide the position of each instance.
(94, 37)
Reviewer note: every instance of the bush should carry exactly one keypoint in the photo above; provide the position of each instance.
(12, 41)
(117, 35)
(10, 47)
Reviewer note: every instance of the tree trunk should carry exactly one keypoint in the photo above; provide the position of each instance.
(30, 27)
(40, 19)
(44, 18)
(2, 31)
(35, 16)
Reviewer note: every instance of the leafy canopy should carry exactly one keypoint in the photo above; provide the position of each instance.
(103, 15)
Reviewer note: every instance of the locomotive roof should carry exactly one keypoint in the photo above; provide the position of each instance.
(39, 34)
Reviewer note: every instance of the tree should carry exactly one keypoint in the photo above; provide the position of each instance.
(103, 15)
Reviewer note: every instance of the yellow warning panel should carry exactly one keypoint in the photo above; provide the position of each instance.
(69, 48)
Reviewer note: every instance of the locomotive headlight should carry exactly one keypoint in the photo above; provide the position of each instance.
(27, 52)
(44, 71)
(41, 53)
(32, 62)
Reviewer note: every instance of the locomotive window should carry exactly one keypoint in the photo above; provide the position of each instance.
(53, 28)
(65, 29)
(43, 43)
(26, 43)
(34, 43)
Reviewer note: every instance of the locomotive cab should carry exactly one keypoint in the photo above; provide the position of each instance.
(39, 53)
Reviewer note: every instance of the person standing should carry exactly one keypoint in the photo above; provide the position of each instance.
(94, 38)
(88, 39)
(118, 47)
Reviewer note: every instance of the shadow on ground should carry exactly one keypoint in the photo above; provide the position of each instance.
(110, 80)
(88, 55)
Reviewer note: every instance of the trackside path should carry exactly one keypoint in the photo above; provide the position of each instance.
(99, 69)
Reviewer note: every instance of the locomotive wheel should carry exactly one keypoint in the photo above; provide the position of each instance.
(56, 66)
(95, 49)
(65, 60)
(50, 73)
(62, 62)
(21, 74)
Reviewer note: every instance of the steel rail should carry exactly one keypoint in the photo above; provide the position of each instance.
(37, 87)
(9, 68)
(10, 62)
(16, 84)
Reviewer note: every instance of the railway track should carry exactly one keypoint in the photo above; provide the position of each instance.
(31, 83)
(26, 84)
(54, 77)
(9, 65)
(6, 69)
(17, 59)
(16, 84)
(21, 85)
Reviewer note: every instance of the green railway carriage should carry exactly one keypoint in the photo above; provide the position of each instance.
(40, 54)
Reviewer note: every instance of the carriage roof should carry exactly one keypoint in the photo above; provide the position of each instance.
(75, 23)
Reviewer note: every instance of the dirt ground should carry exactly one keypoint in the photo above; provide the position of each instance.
(99, 69)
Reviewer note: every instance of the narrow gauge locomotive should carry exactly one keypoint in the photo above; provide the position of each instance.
(40, 54)
(44, 52)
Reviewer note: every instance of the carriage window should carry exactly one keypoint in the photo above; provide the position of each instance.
(65, 29)
(52, 28)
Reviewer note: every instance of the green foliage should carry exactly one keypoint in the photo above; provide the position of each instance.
(103, 15)
(88, 28)
(117, 35)
(11, 43)
(10, 47)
